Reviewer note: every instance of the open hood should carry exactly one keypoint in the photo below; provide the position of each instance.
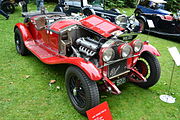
(100, 25)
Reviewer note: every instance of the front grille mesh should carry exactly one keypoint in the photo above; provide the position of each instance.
(117, 68)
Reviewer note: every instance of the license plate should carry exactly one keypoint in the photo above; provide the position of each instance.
(127, 37)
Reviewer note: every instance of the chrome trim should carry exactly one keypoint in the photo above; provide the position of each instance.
(112, 62)
(120, 74)
(105, 13)
(128, 34)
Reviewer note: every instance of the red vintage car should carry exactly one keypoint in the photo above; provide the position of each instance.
(98, 57)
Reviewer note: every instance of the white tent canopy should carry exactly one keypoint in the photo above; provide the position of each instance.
(158, 1)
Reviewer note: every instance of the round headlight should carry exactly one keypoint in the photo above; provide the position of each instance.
(137, 45)
(125, 50)
(108, 54)
(121, 20)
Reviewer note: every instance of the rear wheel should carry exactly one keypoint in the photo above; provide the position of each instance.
(148, 65)
(137, 12)
(83, 92)
(8, 7)
(20, 47)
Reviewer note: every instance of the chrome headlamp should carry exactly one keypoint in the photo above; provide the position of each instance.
(121, 20)
(125, 50)
(137, 45)
(108, 54)
(133, 21)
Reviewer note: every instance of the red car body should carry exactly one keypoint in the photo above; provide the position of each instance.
(44, 42)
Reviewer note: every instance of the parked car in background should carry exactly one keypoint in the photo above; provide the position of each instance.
(97, 7)
(98, 58)
(8, 6)
(167, 25)
(152, 7)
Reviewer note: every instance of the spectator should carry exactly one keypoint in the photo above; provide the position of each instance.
(152, 4)
(24, 3)
(3, 13)
(39, 4)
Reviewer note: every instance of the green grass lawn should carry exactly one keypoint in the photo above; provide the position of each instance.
(25, 93)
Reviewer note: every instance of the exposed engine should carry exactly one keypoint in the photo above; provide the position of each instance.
(84, 43)
(88, 49)
(88, 46)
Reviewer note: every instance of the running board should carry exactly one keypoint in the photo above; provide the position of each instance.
(45, 54)
(163, 33)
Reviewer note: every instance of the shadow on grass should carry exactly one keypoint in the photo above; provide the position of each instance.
(128, 89)
(48, 72)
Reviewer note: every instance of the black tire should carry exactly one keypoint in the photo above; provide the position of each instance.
(8, 7)
(137, 12)
(142, 25)
(149, 66)
(58, 9)
(20, 47)
(83, 92)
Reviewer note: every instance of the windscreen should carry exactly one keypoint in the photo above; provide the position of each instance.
(96, 3)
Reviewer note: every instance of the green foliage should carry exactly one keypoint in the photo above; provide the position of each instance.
(173, 5)
(121, 3)
(130, 3)
(112, 3)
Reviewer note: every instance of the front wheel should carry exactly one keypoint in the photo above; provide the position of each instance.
(148, 65)
(83, 92)
(142, 25)
(8, 7)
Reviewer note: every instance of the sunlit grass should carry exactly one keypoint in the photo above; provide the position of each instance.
(25, 93)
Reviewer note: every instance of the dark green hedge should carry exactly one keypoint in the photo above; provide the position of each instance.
(172, 5)
(121, 3)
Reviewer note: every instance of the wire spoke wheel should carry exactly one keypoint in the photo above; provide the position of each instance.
(143, 67)
(19, 43)
(148, 65)
(142, 25)
(83, 92)
(77, 91)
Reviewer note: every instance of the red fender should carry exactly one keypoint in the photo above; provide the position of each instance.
(90, 69)
(151, 49)
(24, 31)
(146, 48)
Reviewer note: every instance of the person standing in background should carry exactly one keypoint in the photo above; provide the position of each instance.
(3, 13)
(24, 3)
(39, 4)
